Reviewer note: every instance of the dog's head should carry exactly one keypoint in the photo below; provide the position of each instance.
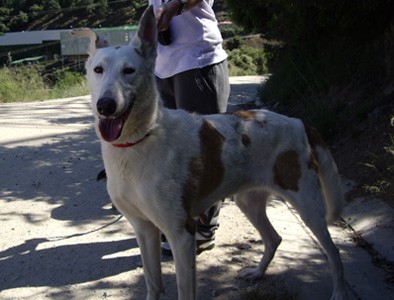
(120, 76)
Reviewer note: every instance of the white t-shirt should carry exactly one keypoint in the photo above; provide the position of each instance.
(196, 41)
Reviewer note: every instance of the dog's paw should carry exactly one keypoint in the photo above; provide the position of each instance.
(251, 274)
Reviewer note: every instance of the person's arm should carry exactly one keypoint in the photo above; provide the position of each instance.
(170, 9)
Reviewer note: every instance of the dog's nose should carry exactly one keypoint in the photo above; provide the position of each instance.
(106, 106)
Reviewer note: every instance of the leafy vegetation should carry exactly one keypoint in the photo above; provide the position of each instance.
(244, 56)
(383, 167)
(247, 61)
(68, 84)
(18, 15)
(321, 45)
(28, 83)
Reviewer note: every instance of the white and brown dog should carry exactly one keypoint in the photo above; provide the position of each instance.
(165, 167)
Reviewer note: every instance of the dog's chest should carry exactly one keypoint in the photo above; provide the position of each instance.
(145, 177)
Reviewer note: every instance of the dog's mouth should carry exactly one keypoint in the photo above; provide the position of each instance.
(111, 128)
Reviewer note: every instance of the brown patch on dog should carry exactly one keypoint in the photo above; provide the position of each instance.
(211, 151)
(245, 139)
(247, 115)
(314, 137)
(189, 195)
(205, 172)
(314, 140)
(244, 114)
(313, 162)
(287, 170)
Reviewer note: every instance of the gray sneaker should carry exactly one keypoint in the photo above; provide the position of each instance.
(204, 241)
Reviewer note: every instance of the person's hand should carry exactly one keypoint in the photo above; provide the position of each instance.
(165, 13)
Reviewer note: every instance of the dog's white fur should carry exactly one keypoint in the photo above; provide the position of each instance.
(183, 163)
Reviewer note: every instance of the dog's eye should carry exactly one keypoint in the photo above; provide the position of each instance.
(98, 70)
(128, 71)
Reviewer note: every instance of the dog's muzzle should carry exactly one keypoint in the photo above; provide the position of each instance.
(111, 124)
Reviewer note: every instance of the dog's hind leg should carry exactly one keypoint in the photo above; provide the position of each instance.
(183, 247)
(253, 204)
(309, 203)
(322, 234)
(148, 237)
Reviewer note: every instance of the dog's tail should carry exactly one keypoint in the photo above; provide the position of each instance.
(330, 180)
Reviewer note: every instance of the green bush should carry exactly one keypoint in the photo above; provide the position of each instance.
(26, 84)
(382, 166)
(247, 61)
(69, 84)
(21, 84)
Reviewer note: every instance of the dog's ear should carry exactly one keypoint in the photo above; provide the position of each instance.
(147, 34)
(95, 41)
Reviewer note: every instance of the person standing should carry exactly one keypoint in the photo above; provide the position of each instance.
(192, 74)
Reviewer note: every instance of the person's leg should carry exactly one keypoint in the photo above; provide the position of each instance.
(165, 87)
(217, 75)
(204, 91)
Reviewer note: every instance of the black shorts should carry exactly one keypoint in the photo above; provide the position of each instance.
(203, 91)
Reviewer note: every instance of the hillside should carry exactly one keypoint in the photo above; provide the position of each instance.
(115, 13)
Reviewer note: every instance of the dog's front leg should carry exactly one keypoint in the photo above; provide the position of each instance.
(183, 246)
(148, 237)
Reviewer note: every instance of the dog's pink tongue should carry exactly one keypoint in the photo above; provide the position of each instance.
(110, 129)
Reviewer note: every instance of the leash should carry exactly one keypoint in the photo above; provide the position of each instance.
(60, 238)
(131, 144)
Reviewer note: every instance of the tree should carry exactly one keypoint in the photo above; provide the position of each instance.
(35, 10)
(51, 4)
(18, 20)
(3, 29)
(4, 13)
(102, 7)
(252, 16)
(313, 24)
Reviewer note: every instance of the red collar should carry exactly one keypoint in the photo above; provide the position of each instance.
(126, 145)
